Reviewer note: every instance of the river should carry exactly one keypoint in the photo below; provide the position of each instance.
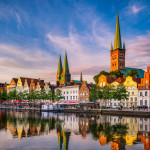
(54, 131)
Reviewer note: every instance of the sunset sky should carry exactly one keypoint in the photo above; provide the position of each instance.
(33, 33)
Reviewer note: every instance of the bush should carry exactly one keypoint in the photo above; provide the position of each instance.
(103, 107)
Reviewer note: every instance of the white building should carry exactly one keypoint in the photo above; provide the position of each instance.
(70, 93)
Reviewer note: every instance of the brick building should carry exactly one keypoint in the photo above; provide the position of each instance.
(84, 92)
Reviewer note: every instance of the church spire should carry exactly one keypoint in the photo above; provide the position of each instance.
(81, 77)
(111, 47)
(65, 67)
(59, 71)
(117, 43)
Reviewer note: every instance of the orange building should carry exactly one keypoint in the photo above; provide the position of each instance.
(84, 92)
(145, 139)
(105, 80)
(144, 89)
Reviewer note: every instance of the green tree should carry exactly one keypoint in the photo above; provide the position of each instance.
(116, 73)
(133, 73)
(4, 95)
(19, 95)
(50, 95)
(58, 95)
(120, 93)
(98, 75)
(43, 94)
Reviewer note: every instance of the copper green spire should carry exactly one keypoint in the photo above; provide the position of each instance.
(59, 71)
(111, 47)
(124, 47)
(117, 43)
(66, 67)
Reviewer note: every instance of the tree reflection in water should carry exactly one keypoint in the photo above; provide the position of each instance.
(107, 130)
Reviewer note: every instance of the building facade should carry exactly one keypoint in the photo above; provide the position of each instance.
(84, 92)
(144, 89)
(131, 84)
(70, 93)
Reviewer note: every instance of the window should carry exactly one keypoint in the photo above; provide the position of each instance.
(140, 93)
(83, 94)
(80, 94)
(146, 81)
(80, 99)
(146, 93)
(76, 97)
(73, 97)
(67, 92)
(86, 99)
(83, 99)
(70, 97)
(132, 87)
(73, 92)
(70, 92)
(64, 92)
(131, 99)
(141, 102)
(128, 93)
(132, 93)
(128, 82)
(67, 97)
(86, 94)
(146, 102)
(135, 99)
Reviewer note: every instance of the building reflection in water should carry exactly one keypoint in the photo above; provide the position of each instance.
(113, 130)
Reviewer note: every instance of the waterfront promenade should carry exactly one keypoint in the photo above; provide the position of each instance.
(117, 112)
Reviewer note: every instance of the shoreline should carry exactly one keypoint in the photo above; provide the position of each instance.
(112, 112)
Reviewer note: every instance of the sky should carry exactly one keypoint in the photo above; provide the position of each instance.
(34, 33)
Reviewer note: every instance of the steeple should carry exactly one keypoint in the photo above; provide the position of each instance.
(65, 67)
(117, 43)
(81, 77)
(111, 47)
(59, 71)
(124, 47)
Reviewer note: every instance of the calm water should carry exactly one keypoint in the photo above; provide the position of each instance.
(24, 130)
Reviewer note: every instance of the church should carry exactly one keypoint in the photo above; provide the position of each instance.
(118, 53)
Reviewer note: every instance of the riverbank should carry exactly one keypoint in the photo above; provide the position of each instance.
(112, 112)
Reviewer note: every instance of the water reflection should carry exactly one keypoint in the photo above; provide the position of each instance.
(118, 132)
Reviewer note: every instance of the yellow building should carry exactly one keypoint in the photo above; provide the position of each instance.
(131, 135)
(131, 85)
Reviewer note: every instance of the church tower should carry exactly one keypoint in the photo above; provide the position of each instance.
(118, 52)
(65, 76)
(59, 71)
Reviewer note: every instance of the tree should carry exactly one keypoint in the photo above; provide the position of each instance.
(50, 95)
(43, 94)
(120, 93)
(4, 95)
(12, 95)
(133, 73)
(19, 95)
(107, 93)
(116, 73)
(98, 75)
(58, 95)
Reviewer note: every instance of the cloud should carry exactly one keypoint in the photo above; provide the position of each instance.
(136, 9)
(17, 61)
(138, 51)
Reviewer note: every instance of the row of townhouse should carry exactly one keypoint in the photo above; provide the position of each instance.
(22, 84)
(78, 92)
(138, 89)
